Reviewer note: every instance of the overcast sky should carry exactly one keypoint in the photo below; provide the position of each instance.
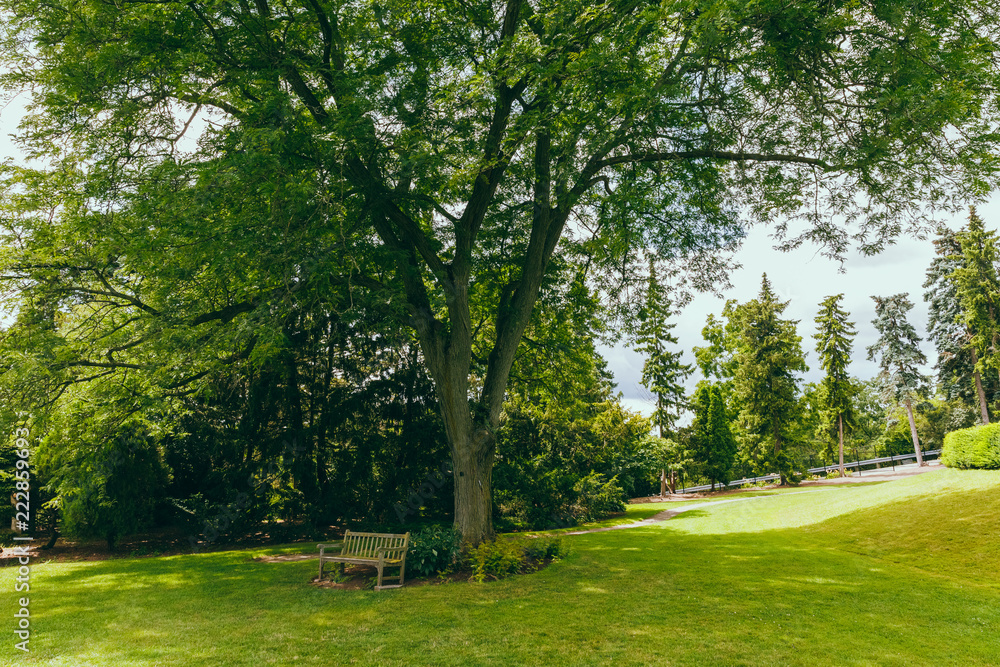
(802, 277)
(805, 278)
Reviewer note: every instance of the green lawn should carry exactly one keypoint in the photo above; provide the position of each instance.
(902, 573)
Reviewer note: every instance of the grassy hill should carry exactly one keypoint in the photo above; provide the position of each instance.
(901, 573)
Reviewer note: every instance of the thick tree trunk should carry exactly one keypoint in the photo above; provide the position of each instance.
(473, 487)
(663, 482)
(473, 448)
(840, 437)
(913, 433)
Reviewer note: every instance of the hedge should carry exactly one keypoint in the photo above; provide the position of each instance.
(976, 447)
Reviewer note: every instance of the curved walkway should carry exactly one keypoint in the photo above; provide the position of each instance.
(881, 475)
(669, 514)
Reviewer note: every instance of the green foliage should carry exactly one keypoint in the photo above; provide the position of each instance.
(977, 287)
(505, 557)
(897, 349)
(663, 373)
(668, 453)
(435, 162)
(713, 445)
(563, 461)
(107, 487)
(597, 497)
(496, 560)
(957, 358)
(899, 357)
(976, 447)
(545, 548)
(433, 549)
(834, 334)
(765, 387)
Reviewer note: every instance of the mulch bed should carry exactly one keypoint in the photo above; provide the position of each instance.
(362, 577)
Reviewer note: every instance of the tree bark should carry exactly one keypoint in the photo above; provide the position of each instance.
(980, 393)
(913, 433)
(663, 482)
(983, 409)
(840, 437)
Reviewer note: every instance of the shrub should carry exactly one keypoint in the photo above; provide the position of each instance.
(542, 548)
(976, 447)
(597, 499)
(497, 559)
(433, 549)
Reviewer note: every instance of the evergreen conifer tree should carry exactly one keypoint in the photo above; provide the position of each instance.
(957, 372)
(978, 288)
(663, 373)
(899, 358)
(833, 344)
(768, 354)
(714, 444)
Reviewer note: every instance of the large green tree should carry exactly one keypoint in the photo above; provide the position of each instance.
(442, 155)
(714, 445)
(899, 358)
(765, 386)
(977, 286)
(663, 373)
(957, 361)
(834, 334)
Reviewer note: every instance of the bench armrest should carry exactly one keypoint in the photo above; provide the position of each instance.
(323, 547)
(387, 549)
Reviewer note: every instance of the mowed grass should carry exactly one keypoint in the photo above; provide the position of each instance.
(902, 573)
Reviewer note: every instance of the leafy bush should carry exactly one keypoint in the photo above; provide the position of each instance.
(976, 447)
(596, 498)
(498, 559)
(433, 549)
(543, 548)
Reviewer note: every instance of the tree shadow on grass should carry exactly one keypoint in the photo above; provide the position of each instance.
(818, 594)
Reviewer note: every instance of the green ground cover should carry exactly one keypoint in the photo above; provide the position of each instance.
(901, 573)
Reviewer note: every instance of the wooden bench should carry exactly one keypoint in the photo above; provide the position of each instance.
(377, 549)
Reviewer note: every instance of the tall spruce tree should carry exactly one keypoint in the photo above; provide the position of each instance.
(834, 334)
(768, 355)
(663, 373)
(978, 288)
(957, 369)
(899, 358)
(714, 444)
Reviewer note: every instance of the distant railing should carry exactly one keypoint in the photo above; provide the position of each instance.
(853, 465)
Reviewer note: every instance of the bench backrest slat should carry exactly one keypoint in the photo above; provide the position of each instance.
(366, 545)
